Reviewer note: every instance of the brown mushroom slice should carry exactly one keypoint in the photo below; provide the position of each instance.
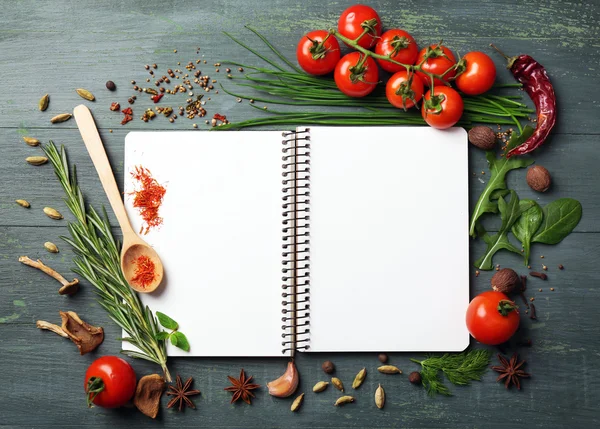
(148, 393)
(85, 336)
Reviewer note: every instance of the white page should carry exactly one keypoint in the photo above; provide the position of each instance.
(221, 238)
(389, 239)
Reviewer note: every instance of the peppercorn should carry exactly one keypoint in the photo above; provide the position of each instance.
(383, 358)
(328, 367)
(110, 85)
(415, 377)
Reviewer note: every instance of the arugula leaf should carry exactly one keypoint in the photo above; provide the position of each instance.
(527, 224)
(166, 321)
(509, 213)
(181, 341)
(560, 218)
(517, 140)
(497, 184)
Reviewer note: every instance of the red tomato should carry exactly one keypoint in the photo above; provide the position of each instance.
(315, 56)
(400, 46)
(355, 20)
(356, 75)
(443, 109)
(492, 318)
(440, 60)
(400, 94)
(109, 382)
(479, 73)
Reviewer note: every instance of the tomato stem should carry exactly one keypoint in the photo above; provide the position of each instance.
(505, 306)
(95, 385)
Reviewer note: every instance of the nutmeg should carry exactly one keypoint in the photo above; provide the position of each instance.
(538, 178)
(483, 137)
(506, 281)
(328, 367)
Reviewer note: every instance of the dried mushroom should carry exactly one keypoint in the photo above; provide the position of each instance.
(148, 392)
(85, 336)
(68, 288)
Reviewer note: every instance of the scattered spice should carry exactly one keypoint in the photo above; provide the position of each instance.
(297, 403)
(542, 276)
(68, 288)
(561, 267)
(23, 203)
(63, 117)
(144, 273)
(544, 267)
(532, 314)
(85, 336)
(389, 369)
(383, 358)
(414, 377)
(505, 280)
(380, 397)
(127, 111)
(52, 213)
(242, 388)
(180, 393)
(85, 94)
(552, 289)
(328, 367)
(148, 198)
(156, 98)
(510, 371)
(337, 383)
(126, 119)
(36, 160)
(110, 85)
(115, 107)
(43, 103)
(51, 247)
(538, 178)
(344, 400)
(320, 386)
(148, 392)
(360, 377)
(523, 289)
(31, 141)
(482, 137)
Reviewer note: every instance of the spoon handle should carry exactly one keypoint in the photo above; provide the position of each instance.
(93, 143)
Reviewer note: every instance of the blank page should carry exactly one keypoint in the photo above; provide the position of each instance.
(389, 239)
(221, 238)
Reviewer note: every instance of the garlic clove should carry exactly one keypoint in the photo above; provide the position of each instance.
(285, 385)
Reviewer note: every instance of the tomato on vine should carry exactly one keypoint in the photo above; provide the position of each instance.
(359, 19)
(443, 109)
(318, 52)
(403, 90)
(476, 73)
(109, 382)
(399, 46)
(436, 59)
(356, 74)
(492, 318)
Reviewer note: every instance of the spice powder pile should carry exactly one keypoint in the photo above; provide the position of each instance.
(144, 271)
(148, 198)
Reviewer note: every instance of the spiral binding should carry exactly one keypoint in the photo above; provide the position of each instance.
(296, 241)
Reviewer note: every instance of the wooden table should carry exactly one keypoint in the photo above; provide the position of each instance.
(55, 47)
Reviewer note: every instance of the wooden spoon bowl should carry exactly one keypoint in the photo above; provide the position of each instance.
(129, 256)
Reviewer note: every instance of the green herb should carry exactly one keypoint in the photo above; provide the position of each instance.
(527, 224)
(459, 368)
(98, 260)
(509, 213)
(560, 218)
(496, 186)
(177, 338)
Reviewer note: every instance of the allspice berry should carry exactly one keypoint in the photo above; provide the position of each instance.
(110, 85)
(415, 377)
(538, 178)
(506, 281)
(383, 358)
(328, 367)
(483, 137)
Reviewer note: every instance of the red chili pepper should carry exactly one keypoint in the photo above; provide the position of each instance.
(220, 117)
(127, 111)
(156, 98)
(126, 119)
(537, 84)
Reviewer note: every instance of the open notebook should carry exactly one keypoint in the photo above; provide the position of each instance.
(320, 239)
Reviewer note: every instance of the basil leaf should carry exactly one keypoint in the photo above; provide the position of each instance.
(181, 341)
(496, 185)
(509, 213)
(162, 336)
(560, 218)
(527, 224)
(166, 321)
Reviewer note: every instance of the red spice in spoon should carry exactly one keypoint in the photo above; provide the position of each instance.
(144, 271)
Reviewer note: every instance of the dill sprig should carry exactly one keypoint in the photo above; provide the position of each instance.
(459, 368)
(98, 261)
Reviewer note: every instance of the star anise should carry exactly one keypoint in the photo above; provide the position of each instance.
(242, 388)
(180, 392)
(510, 371)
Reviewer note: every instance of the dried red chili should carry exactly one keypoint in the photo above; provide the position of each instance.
(126, 119)
(537, 84)
(156, 98)
(127, 111)
(144, 273)
(148, 198)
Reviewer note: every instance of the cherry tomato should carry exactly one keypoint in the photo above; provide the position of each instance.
(400, 94)
(440, 60)
(443, 109)
(315, 56)
(479, 73)
(400, 46)
(355, 20)
(109, 382)
(356, 75)
(492, 318)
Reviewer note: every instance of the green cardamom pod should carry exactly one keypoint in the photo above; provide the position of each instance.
(23, 203)
(389, 369)
(297, 402)
(337, 383)
(360, 377)
(31, 141)
(380, 397)
(52, 213)
(43, 103)
(320, 386)
(36, 160)
(51, 247)
(151, 91)
(61, 118)
(84, 93)
(344, 400)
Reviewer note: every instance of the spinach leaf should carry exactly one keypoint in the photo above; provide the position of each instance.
(560, 218)
(497, 184)
(527, 224)
(509, 213)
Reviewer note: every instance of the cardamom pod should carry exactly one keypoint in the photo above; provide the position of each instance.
(51, 247)
(84, 93)
(380, 397)
(389, 369)
(52, 213)
(297, 402)
(61, 118)
(23, 203)
(43, 103)
(360, 377)
(31, 141)
(36, 160)
(337, 383)
(151, 91)
(344, 400)
(320, 386)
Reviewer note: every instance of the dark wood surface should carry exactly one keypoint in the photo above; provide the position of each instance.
(55, 47)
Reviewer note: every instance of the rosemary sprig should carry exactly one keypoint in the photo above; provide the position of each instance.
(98, 261)
(459, 368)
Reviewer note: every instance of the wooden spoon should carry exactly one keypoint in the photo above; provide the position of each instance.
(133, 246)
